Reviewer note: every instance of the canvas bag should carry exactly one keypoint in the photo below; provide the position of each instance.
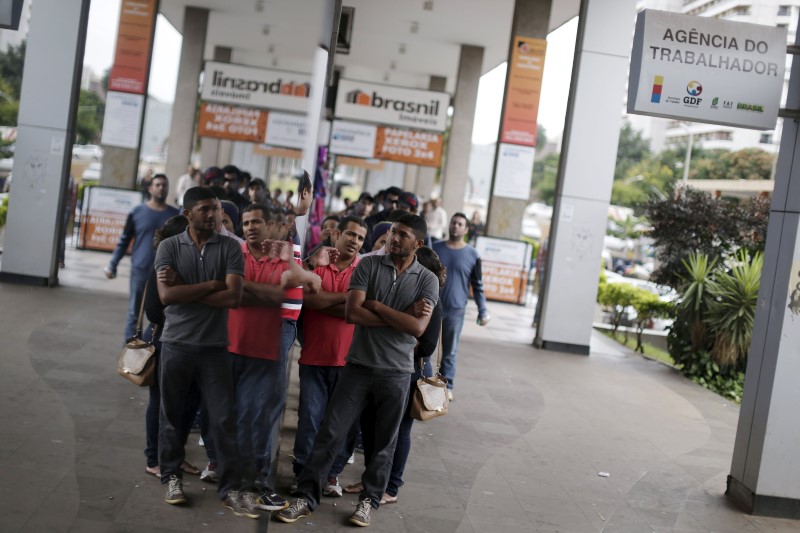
(137, 363)
(429, 398)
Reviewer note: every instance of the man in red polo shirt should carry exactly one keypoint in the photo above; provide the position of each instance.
(326, 344)
(254, 331)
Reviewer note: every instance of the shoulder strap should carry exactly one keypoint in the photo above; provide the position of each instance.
(141, 311)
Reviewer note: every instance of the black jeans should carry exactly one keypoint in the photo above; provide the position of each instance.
(359, 387)
(210, 368)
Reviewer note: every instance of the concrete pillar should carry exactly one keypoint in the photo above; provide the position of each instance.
(454, 181)
(426, 176)
(410, 178)
(531, 19)
(765, 470)
(585, 174)
(209, 146)
(181, 132)
(45, 129)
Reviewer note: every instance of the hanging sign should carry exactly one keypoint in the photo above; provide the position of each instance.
(232, 123)
(705, 69)
(227, 83)
(522, 93)
(137, 20)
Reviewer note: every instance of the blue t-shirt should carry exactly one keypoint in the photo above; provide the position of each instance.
(140, 227)
(463, 269)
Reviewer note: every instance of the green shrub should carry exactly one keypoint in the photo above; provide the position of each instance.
(703, 370)
(615, 297)
(648, 307)
(3, 211)
(694, 302)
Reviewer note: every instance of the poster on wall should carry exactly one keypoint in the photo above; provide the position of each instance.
(705, 69)
(232, 123)
(522, 93)
(505, 264)
(514, 171)
(409, 146)
(353, 139)
(137, 20)
(103, 214)
(122, 119)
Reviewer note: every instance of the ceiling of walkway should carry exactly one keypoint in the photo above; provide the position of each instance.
(401, 42)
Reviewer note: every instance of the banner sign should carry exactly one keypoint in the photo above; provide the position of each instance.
(705, 69)
(394, 106)
(134, 40)
(255, 87)
(103, 216)
(514, 171)
(408, 146)
(232, 123)
(505, 264)
(353, 139)
(286, 130)
(522, 91)
(122, 120)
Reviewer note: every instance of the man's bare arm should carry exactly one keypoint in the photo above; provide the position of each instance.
(356, 313)
(230, 298)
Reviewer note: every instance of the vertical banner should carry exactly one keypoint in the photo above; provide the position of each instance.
(522, 92)
(134, 40)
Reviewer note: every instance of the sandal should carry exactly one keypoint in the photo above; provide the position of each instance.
(387, 499)
(153, 471)
(355, 488)
(189, 468)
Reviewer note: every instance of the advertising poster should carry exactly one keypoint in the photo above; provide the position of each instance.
(122, 119)
(705, 69)
(505, 264)
(522, 92)
(409, 146)
(514, 171)
(284, 129)
(232, 123)
(103, 216)
(353, 139)
(134, 39)
(226, 83)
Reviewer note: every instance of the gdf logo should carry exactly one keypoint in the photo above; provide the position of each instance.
(694, 89)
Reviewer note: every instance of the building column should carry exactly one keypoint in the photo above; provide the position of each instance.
(426, 176)
(766, 466)
(459, 146)
(585, 174)
(181, 132)
(45, 130)
(209, 146)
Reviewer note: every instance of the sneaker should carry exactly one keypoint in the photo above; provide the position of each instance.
(332, 488)
(361, 516)
(352, 458)
(242, 504)
(269, 501)
(175, 495)
(450, 394)
(209, 473)
(299, 508)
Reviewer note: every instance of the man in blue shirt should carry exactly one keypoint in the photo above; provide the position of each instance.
(463, 269)
(142, 222)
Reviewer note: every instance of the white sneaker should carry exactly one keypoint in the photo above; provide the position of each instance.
(332, 488)
(209, 473)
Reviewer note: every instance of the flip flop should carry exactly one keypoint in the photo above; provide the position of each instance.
(190, 469)
(153, 471)
(387, 499)
(355, 488)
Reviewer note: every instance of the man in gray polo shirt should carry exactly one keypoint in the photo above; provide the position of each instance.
(200, 277)
(390, 300)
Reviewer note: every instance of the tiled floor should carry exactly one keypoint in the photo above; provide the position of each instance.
(520, 451)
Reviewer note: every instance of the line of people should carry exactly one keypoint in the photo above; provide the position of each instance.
(225, 310)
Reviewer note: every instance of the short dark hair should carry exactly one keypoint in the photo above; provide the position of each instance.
(304, 183)
(430, 260)
(266, 211)
(195, 195)
(331, 217)
(171, 227)
(159, 176)
(416, 223)
(231, 169)
(366, 197)
(394, 191)
(278, 214)
(255, 182)
(460, 214)
(351, 218)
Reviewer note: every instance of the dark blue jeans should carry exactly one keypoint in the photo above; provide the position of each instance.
(359, 387)
(276, 397)
(138, 280)
(317, 384)
(210, 368)
(452, 322)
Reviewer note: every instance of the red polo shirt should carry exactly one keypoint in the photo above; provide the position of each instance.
(327, 337)
(255, 331)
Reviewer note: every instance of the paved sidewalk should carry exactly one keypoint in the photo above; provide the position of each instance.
(520, 451)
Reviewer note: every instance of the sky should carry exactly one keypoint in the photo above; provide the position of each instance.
(101, 39)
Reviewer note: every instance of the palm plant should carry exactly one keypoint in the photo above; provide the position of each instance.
(732, 308)
(694, 303)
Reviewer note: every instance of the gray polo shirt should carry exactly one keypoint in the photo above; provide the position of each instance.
(196, 324)
(385, 348)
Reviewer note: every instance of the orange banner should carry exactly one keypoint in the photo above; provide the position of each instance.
(522, 91)
(409, 146)
(271, 151)
(134, 41)
(232, 123)
(101, 231)
(503, 283)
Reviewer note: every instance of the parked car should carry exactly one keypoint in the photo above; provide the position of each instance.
(87, 152)
(664, 293)
(93, 171)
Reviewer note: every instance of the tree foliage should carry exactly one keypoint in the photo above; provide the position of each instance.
(694, 221)
(633, 148)
(545, 171)
(12, 62)
(89, 123)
